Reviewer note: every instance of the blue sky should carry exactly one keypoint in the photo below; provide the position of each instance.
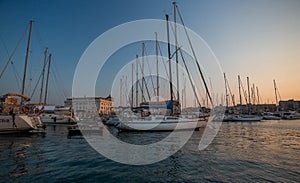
(259, 39)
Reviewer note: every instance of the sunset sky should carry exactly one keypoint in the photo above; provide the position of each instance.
(258, 38)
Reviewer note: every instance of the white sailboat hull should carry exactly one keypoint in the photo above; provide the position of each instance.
(22, 123)
(161, 125)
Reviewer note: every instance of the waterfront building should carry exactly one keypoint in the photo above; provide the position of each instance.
(89, 105)
(252, 108)
(265, 108)
(106, 105)
(289, 105)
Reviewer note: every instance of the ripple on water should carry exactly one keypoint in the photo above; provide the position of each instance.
(241, 152)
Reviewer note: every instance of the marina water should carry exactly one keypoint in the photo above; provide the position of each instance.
(264, 151)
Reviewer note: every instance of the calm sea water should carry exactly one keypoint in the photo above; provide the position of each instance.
(241, 152)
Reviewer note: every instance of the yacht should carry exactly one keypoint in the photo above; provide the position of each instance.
(271, 116)
(160, 123)
(16, 118)
(290, 115)
(57, 115)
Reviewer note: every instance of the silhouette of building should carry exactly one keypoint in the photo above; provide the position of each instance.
(289, 105)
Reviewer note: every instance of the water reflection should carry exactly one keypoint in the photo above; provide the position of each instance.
(243, 152)
(18, 154)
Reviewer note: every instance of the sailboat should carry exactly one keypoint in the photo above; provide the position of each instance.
(246, 117)
(51, 114)
(271, 116)
(57, 115)
(14, 116)
(276, 115)
(169, 122)
(10, 120)
(159, 122)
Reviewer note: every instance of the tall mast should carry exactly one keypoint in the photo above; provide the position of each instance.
(142, 70)
(176, 50)
(193, 86)
(184, 86)
(275, 88)
(212, 93)
(240, 94)
(26, 59)
(157, 73)
(126, 92)
(121, 94)
(43, 74)
(169, 57)
(226, 93)
(258, 101)
(194, 54)
(137, 82)
(132, 81)
(253, 95)
(249, 97)
(47, 81)
(182, 101)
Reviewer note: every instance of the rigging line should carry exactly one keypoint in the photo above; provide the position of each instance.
(139, 83)
(245, 93)
(39, 40)
(173, 31)
(231, 95)
(127, 98)
(128, 95)
(38, 79)
(143, 78)
(56, 89)
(194, 54)
(57, 82)
(35, 71)
(57, 75)
(4, 45)
(38, 36)
(12, 54)
(211, 88)
(36, 85)
(150, 71)
(163, 60)
(260, 100)
(278, 92)
(193, 86)
(17, 76)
